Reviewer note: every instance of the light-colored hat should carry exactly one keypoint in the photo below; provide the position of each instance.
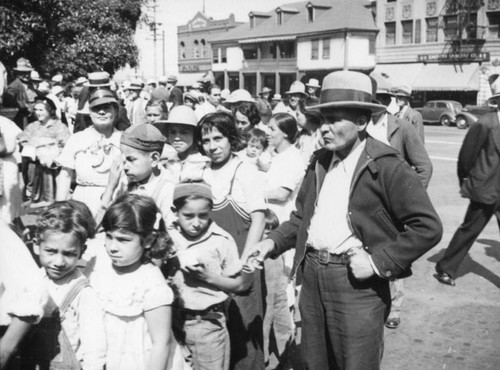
(404, 90)
(56, 90)
(143, 137)
(224, 94)
(125, 84)
(44, 87)
(101, 96)
(81, 81)
(99, 79)
(495, 88)
(265, 90)
(191, 96)
(382, 83)
(239, 96)
(163, 80)
(136, 85)
(181, 115)
(200, 188)
(151, 82)
(313, 82)
(297, 87)
(347, 89)
(172, 79)
(23, 65)
(276, 97)
(57, 78)
(34, 76)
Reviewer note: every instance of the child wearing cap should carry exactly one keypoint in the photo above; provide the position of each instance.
(139, 170)
(205, 267)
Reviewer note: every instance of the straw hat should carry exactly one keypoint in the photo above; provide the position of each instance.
(381, 84)
(35, 76)
(99, 79)
(276, 97)
(265, 90)
(57, 90)
(101, 96)
(347, 89)
(297, 87)
(23, 65)
(81, 81)
(239, 96)
(136, 85)
(313, 83)
(404, 90)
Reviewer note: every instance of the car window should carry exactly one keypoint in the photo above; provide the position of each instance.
(429, 105)
(441, 105)
(457, 106)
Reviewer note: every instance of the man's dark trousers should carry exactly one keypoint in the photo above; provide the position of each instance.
(476, 218)
(342, 318)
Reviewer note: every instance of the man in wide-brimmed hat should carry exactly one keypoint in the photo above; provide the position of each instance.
(362, 217)
(175, 94)
(312, 88)
(403, 98)
(17, 92)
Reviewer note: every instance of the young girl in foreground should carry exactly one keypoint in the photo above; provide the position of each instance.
(135, 296)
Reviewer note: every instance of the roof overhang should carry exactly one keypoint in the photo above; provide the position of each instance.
(267, 39)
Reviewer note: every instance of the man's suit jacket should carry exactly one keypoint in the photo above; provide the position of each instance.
(403, 137)
(175, 96)
(415, 118)
(479, 160)
(17, 97)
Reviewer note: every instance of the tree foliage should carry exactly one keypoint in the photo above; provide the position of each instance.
(72, 37)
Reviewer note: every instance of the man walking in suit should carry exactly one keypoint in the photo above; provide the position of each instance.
(403, 97)
(362, 217)
(479, 178)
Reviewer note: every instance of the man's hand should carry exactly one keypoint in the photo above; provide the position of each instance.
(254, 256)
(359, 263)
(201, 272)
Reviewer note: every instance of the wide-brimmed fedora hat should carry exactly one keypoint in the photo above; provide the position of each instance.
(81, 81)
(101, 96)
(297, 87)
(381, 84)
(136, 85)
(404, 90)
(347, 89)
(99, 79)
(35, 76)
(172, 79)
(23, 65)
(265, 90)
(276, 97)
(181, 115)
(239, 96)
(313, 83)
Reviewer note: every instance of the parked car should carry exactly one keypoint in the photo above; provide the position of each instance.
(470, 114)
(442, 111)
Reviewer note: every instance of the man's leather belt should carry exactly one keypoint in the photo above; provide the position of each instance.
(325, 257)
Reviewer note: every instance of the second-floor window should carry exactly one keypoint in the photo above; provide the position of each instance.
(196, 49)
(250, 52)
(432, 29)
(450, 26)
(315, 49)
(223, 55)
(287, 49)
(407, 32)
(326, 48)
(390, 33)
(215, 55)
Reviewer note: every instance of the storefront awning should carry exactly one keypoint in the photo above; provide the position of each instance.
(400, 74)
(448, 77)
(267, 39)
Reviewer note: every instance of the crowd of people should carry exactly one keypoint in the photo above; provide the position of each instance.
(156, 209)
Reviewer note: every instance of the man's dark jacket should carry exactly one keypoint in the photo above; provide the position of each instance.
(389, 210)
(479, 161)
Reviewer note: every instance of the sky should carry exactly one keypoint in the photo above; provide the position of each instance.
(179, 12)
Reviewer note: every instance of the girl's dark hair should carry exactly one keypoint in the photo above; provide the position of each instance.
(69, 216)
(288, 124)
(181, 202)
(256, 134)
(49, 105)
(133, 213)
(249, 110)
(161, 104)
(271, 219)
(224, 123)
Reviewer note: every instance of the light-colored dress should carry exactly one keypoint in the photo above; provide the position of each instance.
(125, 298)
(90, 154)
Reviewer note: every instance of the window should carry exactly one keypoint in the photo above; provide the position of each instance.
(183, 50)
(310, 14)
(315, 49)
(390, 33)
(441, 105)
(252, 22)
(326, 48)
(407, 32)
(196, 49)
(279, 18)
(418, 31)
(250, 52)
(432, 29)
(223, 55)
(493, 24)
(450, 26)
(215, 55)
(287, 49)
(202, 48)
(371, 45)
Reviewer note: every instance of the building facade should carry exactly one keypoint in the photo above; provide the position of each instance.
(194, 49)
(444, 49)
(295, 41)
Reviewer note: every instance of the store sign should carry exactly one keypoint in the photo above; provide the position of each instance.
(455, 57)
(189, 68)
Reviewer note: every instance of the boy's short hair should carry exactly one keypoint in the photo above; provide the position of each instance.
(145, 137)
(257, 134)
(271, 219)
(69, 216)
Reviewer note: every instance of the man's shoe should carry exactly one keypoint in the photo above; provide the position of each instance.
(393, 323)
(444, 278)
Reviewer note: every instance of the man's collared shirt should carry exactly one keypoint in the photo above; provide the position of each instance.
(379, 130)
(330, 227)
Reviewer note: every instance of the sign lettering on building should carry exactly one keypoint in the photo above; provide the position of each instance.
(189, 68)
(455, 57)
